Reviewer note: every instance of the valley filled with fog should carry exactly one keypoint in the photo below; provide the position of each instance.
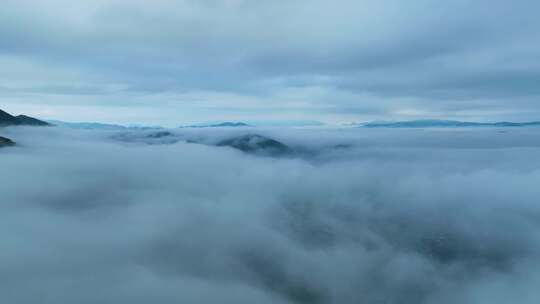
(270, 215)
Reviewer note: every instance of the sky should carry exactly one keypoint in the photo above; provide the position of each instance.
(177, 62)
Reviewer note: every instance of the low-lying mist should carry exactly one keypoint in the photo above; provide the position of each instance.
(345, 216)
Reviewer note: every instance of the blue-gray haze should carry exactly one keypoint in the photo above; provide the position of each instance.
(97, 210)
(395, 216)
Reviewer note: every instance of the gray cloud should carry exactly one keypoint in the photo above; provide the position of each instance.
(445, 59)
(389, 216)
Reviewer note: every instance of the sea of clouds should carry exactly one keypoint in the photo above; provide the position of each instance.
(354, 216)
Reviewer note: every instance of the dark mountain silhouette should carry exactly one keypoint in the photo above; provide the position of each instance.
(7, 119)
(6, 142)
(253, 143)
(231, 124)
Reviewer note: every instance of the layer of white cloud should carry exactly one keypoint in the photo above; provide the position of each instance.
(393, 216)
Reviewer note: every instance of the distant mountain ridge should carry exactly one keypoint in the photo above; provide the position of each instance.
(226, 124)
(258, 123)
(87, 125)
(435, 123)
(99, 126)
(7, 119)
(285, 123)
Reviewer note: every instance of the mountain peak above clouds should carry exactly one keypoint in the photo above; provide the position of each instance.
(7, 119)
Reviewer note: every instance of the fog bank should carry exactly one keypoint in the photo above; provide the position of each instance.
(352, 216)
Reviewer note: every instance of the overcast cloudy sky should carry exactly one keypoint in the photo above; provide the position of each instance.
(174, 62)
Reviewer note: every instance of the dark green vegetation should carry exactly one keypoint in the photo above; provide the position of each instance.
(6, 142)
(7, 119)
(253, 143)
